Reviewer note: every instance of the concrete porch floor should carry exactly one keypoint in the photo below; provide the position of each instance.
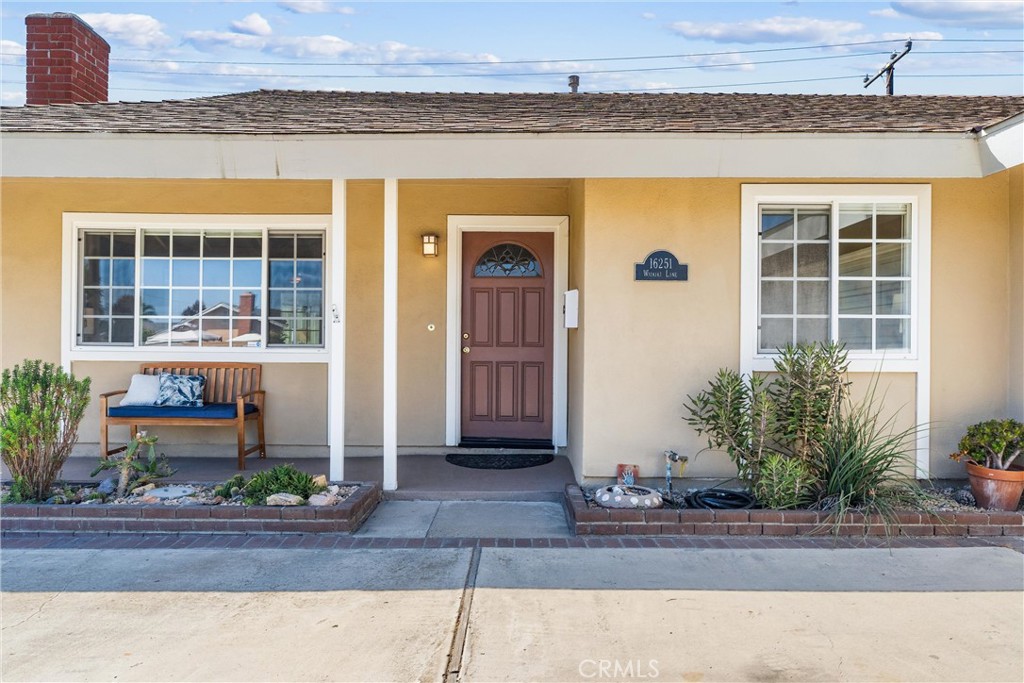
(420, 477)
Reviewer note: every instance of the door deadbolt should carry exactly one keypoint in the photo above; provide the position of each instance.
(465, 335)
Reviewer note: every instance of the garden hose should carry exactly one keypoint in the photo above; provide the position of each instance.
(720, 499)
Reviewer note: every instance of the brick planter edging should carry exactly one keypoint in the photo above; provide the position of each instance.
(584, 521)
(346, 516)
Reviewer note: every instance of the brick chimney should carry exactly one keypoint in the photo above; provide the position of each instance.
(66, 60)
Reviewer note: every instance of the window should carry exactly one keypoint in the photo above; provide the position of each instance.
(507, 260)
(825, 264)
(164, 286)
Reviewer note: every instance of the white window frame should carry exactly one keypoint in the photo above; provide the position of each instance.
(919, 199)
(75, 223)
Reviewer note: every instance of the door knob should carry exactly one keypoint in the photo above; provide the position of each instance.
(465, 349)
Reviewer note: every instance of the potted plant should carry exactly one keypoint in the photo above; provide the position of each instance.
(991, 450)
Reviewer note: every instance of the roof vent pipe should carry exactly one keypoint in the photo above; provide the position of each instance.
(574, 84)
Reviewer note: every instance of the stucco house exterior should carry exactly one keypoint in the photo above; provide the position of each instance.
(290, 228)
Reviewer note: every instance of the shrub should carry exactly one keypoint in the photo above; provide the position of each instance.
(784, 482)
(279, 479)
(788, 414)
(860, 464)
(41, 407)
(995, 444)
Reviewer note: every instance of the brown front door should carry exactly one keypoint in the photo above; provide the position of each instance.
(506, 335)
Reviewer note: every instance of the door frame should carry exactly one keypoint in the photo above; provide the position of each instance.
(559, 227)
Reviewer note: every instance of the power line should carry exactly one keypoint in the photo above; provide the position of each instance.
(802, 80)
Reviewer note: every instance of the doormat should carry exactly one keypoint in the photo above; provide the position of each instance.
(499, 462)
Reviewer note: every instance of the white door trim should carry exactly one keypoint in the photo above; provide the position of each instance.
(559, 227)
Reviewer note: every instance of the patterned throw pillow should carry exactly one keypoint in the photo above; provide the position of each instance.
(181, 390)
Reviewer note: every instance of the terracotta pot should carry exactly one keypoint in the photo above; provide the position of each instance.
(996, 489)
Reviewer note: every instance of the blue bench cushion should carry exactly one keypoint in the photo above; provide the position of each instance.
(222, 411)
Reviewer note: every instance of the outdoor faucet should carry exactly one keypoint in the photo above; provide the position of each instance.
(671, 457)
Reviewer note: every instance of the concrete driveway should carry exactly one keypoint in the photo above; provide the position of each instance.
(512, 614)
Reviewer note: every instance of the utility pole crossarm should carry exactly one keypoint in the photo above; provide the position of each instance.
(889, 69)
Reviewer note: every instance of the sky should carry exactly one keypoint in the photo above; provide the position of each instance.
(182, 49)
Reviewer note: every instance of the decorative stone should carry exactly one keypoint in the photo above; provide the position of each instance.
(142, 490)
(169, 492)
(320, 481)
(628, 497)
(149, 500)
(284, 499)
(333, 489)
(321, 499)
(107, 486)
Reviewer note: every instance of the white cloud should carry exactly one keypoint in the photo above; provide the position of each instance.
(981, 14)
(14, 97)
(314, 7)
(311, 46)
(209, 40)
(253, 24)
(11, 52)
(770, 30)
(887, 13)
(649, 15)
(913, 35)
(725, 62)
(136, 30)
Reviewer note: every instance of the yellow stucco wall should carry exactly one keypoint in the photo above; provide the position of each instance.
(641, 346)
(31, 219)
(1015, 179)
(649, 344)
(576, 337)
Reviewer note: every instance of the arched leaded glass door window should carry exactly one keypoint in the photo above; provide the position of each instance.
(508, 260)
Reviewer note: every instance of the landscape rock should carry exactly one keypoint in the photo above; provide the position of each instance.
(150, 499)
(333, 489)
(141, 490)
(321, 499)
(169, 492)
(320, 481)
(284, 499)
(107, 486)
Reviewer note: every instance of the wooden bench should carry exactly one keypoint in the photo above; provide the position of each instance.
(231, 397)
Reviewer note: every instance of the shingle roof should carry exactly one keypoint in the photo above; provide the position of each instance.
(288, 112)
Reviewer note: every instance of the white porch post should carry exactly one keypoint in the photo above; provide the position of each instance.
(336, 373)
(390, 334)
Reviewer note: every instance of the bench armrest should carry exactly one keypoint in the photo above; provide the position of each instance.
(257, 395)
(113, 393)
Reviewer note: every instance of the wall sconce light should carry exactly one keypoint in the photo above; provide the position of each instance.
(430, 245)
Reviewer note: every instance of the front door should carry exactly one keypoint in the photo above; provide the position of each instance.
(506, 337)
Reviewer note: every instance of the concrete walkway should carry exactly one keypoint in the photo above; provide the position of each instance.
(511, 614)
(466, 519)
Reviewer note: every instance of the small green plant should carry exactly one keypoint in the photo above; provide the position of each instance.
(995, 444)
(20, 492)
(784, 483)
(232, 487)
(41, 407)
(279, 479)
(132, 470)
(809, 392)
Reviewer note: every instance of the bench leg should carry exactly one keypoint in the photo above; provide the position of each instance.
(104, 447)
(132, 431)
(262, 438)
(240, 425)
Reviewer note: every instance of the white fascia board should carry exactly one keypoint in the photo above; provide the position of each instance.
(934, 155)
(1002, 145)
